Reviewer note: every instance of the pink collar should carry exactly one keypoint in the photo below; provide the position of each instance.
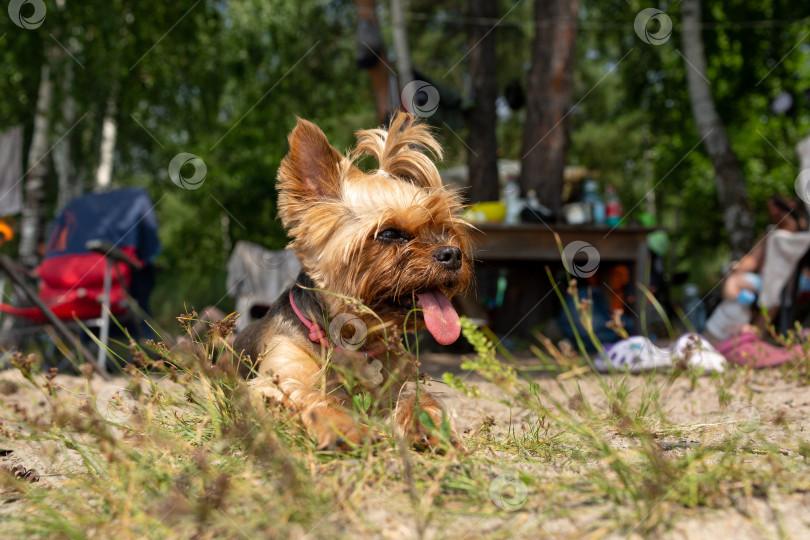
(317, 335)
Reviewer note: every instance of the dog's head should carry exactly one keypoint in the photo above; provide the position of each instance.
(391, 237)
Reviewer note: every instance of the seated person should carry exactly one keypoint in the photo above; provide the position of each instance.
(744, 282)
(730, 336)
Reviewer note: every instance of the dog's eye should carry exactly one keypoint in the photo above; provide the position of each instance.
(393, 235)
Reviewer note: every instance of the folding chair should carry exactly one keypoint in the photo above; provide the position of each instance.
(256, 278)
(792, 296)
(98, 245)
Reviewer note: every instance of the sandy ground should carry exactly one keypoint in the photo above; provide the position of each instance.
(775, 400)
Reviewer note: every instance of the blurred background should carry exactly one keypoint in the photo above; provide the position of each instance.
(107, 94)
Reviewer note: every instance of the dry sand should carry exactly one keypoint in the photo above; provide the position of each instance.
(775, 399)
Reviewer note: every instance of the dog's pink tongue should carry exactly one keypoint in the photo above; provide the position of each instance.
(441, 318)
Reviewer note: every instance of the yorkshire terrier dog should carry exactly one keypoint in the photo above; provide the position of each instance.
(382, 253)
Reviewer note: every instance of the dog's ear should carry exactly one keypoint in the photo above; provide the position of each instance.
(311, 169)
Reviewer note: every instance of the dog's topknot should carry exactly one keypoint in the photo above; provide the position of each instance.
(403, 150)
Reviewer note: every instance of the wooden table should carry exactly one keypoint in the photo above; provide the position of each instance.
(498, 243)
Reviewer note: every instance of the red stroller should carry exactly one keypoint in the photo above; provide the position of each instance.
(96, 264)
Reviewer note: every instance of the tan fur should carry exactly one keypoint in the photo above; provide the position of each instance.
(334, 213)
(400, 150)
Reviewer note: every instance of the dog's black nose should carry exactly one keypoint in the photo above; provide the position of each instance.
(450, 256)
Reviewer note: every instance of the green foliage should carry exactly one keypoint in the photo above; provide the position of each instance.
(485, 360)
(457, 383)
(225, 81)
(635, 125)
(361, 402)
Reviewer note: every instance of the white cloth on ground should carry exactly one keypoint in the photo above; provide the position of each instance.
(639, 353)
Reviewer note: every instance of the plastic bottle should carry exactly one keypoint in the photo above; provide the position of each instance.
(594, 201)
(613, 206)
(511, 198)
(804, 282)
(693, 307)
(755, 280)
(731, 315)
(746, 297)
(727, 319)
(531, 199)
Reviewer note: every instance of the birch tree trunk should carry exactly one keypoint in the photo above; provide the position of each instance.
(400, 31)
(31, 219)
(482, 158)
(109, 131)
(731, 190)
(37, 169)
(548, 100)
(68, 182)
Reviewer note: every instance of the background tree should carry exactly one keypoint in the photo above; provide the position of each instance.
(227, 80)
(36, 170)
(372, 56)
(731, 191)
(549, 94)
(633, 120)
(482, 155)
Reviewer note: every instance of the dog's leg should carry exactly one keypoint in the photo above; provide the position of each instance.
(406, 415)
(288, 374)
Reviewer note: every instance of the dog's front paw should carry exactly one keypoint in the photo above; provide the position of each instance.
(425, 424)
(335, 429)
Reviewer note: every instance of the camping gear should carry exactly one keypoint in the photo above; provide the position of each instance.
(783, 252)
(256, 278)
(100, 246)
